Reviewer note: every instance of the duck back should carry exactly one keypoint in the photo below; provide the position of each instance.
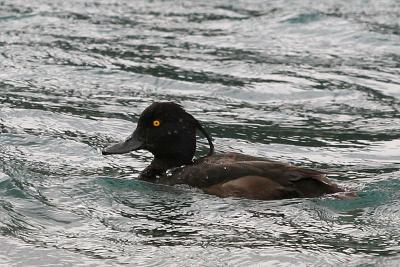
(235, 174)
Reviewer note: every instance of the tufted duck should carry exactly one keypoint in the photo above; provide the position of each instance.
(169, 133)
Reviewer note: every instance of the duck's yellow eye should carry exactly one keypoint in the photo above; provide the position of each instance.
(156, 123)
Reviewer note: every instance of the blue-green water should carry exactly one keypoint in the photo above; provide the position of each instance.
(314, 83)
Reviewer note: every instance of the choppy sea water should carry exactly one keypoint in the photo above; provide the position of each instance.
(313, 83)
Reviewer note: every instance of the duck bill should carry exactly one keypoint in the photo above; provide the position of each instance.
(133, 142)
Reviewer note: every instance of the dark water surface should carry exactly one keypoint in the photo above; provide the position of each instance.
(314, 83)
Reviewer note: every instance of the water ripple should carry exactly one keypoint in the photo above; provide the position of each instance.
(314, 84)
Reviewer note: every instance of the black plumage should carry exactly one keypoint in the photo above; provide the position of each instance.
(169, 133)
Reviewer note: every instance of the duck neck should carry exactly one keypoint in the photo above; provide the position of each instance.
(159, 166)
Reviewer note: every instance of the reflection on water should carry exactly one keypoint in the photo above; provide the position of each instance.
(314, 84)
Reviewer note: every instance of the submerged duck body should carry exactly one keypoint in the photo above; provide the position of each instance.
(169, 133)
(234, 174)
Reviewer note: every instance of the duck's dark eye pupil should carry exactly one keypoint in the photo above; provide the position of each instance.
(156, 123)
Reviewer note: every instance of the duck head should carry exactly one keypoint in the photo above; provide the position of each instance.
(167, 131)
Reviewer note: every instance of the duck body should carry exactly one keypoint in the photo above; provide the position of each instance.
(224, 175)
(238, 175)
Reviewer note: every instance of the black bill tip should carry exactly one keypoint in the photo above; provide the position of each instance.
(130, 144)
